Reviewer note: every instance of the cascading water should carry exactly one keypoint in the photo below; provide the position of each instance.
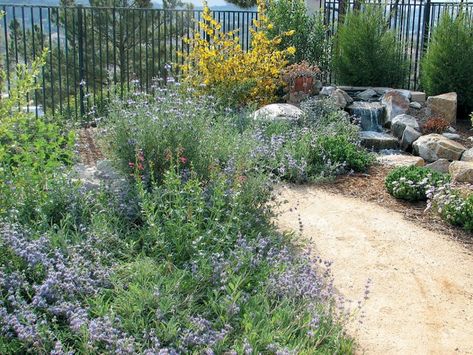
(369, 113)
(371, 116)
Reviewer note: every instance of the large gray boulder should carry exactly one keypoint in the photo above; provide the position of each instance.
(400, 122)
(440, 165)
(468, 155)
(275, 112)
(444, 105)
(434, 146)
(461, 171)
(367, 95)
(396, 103)
(378, 141)
(409, 136)
(341, 98)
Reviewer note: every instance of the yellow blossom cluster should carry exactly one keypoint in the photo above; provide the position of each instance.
(218, 65)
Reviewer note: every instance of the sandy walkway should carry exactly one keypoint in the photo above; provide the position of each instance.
(421, 299)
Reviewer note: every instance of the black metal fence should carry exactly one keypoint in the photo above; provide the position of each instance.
(95, 49)
(412, 19)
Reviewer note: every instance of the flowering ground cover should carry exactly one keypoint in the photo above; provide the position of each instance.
(182, 257)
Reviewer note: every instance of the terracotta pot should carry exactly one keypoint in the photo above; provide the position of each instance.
(304, 84)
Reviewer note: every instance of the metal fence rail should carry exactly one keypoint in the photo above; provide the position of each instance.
(95, 49)
(412, 19)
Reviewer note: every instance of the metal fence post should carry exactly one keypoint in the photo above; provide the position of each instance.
(426, 26)
(80, 39)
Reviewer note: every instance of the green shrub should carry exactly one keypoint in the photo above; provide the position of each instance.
(33, 151)
(367, 53)
(447, 64)
(310, 39)
(454, 206)
(412, 183)
(340, 149)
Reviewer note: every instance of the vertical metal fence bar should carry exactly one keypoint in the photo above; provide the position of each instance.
(140, 46)
(93, 71)
(86, 56)
(25, 59)
(33, 55)
(153, 62)
(146, 50)
(66, 49)
(75, 59)
(159, 43)
(80, 40)
(59, 61)
(7, 57)
(114, 44)
(51, 74)
(170, 36)
(100, 35)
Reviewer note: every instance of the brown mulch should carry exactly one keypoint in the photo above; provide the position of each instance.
(465, 131)
(370, 187)
(89, 152)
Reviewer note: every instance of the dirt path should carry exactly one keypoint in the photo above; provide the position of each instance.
(421, 299)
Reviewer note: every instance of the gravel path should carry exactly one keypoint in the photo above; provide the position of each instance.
(421, 299)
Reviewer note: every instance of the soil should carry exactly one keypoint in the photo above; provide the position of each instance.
(89, 152)
(421, 299)
(370, 187)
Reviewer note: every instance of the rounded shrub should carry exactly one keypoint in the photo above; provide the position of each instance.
(447, 65)
(367, 53)
(453, 206)
(340, 149)
(412, 183)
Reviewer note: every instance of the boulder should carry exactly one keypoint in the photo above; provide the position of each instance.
(461, 171)
(409, 136)
(400, 122)
(367, 95)
(342, 99)
(440, 165)
(451, 129)
(468, 155)
(274, 112)
(396, 104)
(378, 141)
(453, 136)
(418, 96)
(406, 93)
(415, 105)
(444, 105)
(400, 160)
(434, 146)
(327, 90)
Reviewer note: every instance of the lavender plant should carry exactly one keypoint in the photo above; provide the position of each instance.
(186, 260)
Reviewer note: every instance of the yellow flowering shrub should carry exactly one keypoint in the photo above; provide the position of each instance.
(218, 65)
